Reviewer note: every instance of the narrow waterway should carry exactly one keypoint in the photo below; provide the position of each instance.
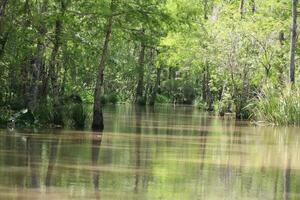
(161, 153)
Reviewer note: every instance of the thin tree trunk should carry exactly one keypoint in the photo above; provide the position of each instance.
(149, 87)
(156, 87)
(3, 41)
(205, 2)
(97, 124)
(3, 4)
(209, 94)
(204, 90)
(27, 62)
(206, 93)
(141, 62)
(54, 72)
(38, 62)
(253, 6)
(3, 34)
(293, 42)
(242, 8)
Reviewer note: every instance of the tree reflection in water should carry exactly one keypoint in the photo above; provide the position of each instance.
(96, 143)
(33, 156)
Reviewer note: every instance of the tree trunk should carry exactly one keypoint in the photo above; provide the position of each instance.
(253, 6)
(206, 93)
(156, 87)
(293, 42)
(53, 70)
(242, 8)
(209, 96)
(38, 62)
(140, 70)
(204, 90)
(3, 41)
(205, 4)
(3, 34)
(3, 4)
(97, 124)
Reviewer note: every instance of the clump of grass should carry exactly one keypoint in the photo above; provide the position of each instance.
(279, 106)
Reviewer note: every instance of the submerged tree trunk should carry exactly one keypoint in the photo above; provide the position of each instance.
(293, 42)
(97, 124)
(140, 70)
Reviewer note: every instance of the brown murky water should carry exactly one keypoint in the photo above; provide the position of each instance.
(163, 153)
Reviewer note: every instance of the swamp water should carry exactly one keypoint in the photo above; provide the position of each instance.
(161, 153)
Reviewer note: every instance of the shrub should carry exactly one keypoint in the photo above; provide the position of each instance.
(141, 101)
(78, 116)
(112, 98)
(4, 116)
(161, 99)
(44, 113)
(104, 99)
(224, 105)
(200, 104)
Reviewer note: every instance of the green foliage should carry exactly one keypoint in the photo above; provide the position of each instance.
(4, 116)
(44, 113)
(224, 105)
(161, 99)
(142, 101)
(179, 90)
(111, 98)
(200, 104)
(207, 53)
(279, 106)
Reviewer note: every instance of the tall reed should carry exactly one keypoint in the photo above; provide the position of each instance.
(279, 106)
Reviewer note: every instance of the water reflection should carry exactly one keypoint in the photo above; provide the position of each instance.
(95, 144)
(153, 154)
(138, 131)
(33, 156)
(52, 160)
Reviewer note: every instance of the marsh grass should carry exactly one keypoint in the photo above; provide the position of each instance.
(279, 106)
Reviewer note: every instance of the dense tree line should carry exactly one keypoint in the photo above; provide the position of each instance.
(218, 54)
